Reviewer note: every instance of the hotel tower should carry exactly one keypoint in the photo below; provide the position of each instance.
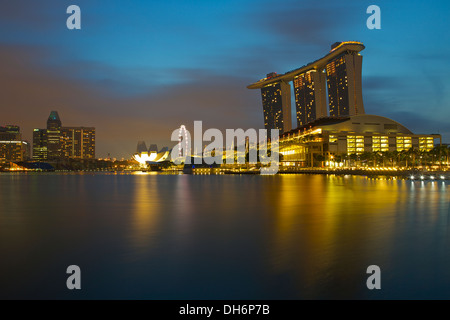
(339, 71)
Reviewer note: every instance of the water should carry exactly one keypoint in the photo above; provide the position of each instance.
(222, 237)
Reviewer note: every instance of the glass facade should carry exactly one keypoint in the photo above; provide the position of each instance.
(304, 98)
(404, 143)
(53, 136)
(272, 106)
(57, 142)
(301, 146)
(310, 96)
(380, 143)
(12, 148)
(344, 85)
(355, 144)
(426, 143)
(337, 81)
(276, 100)
(78, 142)
(39, 144)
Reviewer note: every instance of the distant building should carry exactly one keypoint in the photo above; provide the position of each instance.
(53, 136)
(12, 147)
(151, 156)
(77, 142)
(141, 147)
(57, 142)
(40, 144)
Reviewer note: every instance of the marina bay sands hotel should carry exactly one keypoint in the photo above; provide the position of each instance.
(330, 130)
(340, 69)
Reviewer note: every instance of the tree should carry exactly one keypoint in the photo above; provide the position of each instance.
(352, 157)
(367, 156)
(440, 153)
(318, 158)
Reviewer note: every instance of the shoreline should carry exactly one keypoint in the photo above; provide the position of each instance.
(411, 174)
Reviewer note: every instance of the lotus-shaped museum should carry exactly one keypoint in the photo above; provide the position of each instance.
(150, 156)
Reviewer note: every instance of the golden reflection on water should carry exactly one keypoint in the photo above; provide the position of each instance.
(183, 207)
(329, 226)
(284, 236)
(146, 207)
(317, 231)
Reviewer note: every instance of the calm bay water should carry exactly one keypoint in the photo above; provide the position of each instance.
(222, 237)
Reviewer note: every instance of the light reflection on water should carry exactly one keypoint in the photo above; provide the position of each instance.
(223, 237)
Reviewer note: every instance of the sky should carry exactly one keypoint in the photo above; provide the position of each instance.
(137, 70)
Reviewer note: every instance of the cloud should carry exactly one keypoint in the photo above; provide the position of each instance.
(420, 124)
(391, 97)
(143, 94)
(31, 88)
(304, 23)
(40, 15)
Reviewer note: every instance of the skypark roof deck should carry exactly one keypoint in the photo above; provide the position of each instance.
(315, 65)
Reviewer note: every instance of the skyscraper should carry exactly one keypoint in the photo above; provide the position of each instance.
(57, 142)
(342, 65)
(12, 147)
(53, 136)
(276, 100)
(40, 144)
(77, 142)
(344, 85)
(310, 96)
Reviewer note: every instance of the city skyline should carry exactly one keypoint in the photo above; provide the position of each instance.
(58, 142)
(149, 79)
(136, 164)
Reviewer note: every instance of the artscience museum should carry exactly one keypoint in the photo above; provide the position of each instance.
(151, 155)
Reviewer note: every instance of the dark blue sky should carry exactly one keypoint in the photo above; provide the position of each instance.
(139, 69)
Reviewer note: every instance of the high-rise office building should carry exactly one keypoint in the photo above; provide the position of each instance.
(78, 142)
(310, 96)
(40, 144)
(12, 147)
(57, 142)
(344, 85)
(53, 136)
(276, 100)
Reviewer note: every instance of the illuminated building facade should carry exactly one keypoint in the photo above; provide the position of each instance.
(344, 85)
(77, 143)
(341, 69)
(12, 147)
(151, 156)
(53, 136)
(276, 100)
(337, 128)
(57, 142)
(310, 96)
(40, 144)
(346, 136)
